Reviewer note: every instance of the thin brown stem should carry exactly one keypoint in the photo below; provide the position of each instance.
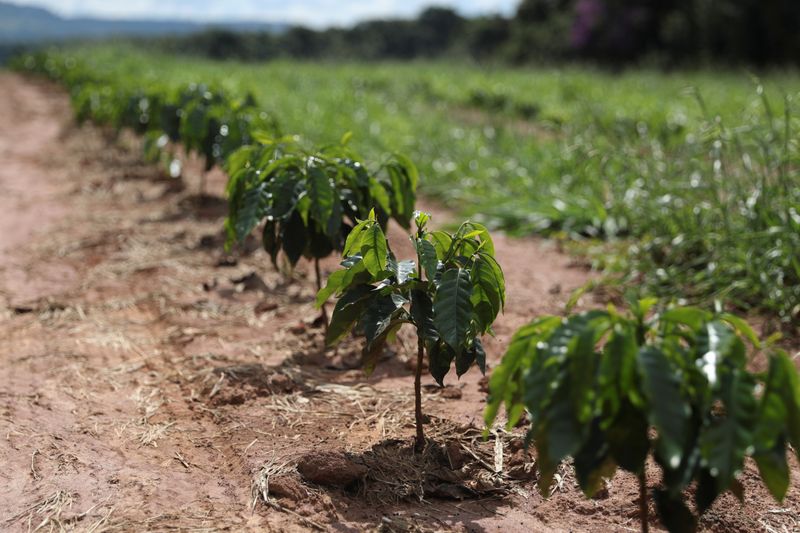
(643, 507)
(420, 441)
(319, 288)
(202, 185)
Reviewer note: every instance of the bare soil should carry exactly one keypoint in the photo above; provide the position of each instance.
(152, 382)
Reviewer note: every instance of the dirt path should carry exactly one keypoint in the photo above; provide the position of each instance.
(150, 382)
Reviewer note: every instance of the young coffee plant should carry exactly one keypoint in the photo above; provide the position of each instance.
(310, 201)
(598, 383)
(451, 294)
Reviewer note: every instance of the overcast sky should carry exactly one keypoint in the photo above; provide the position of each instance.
(317, 13)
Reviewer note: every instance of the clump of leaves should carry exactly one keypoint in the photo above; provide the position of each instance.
(451, 294)
(596, 384)
(310, 200)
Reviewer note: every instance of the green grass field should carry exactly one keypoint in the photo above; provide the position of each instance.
(680, 184)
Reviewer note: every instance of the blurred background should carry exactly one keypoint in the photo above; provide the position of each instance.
(665, 33)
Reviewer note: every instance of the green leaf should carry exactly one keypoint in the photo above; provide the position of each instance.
(427, 257)
(627, 438)
(464, 360)
(557, 436)
(294, 238)
(440, 358)
(668, 410)
(271, 241)
(380, 198)
(691, 316)
(617, 370)
(324, 202)
(473, 230)
(355, 239)
(283, 195)
(742, 327)
(378, 314)
(506, 381)
(374, 250)
(372, 350)
(593, 462)
(718, 345)
(789, 391)
(724, 444)
(480, 355)
(347, 311)
(422, 314)
(247, 211)
(774, 469)
(333, 286)
(441, 241)
(402, 270)
(489, 287)
(452, 309)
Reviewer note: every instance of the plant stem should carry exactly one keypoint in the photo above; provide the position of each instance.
(643, 508)
(319, 287)
(202, 184)
(420, 441)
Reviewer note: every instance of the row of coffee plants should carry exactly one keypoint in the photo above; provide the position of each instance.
(204, 119)
(608, 389)
(612, 390)
(309, 198)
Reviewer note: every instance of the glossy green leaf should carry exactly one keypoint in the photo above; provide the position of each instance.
(452, 309)
(374, 250)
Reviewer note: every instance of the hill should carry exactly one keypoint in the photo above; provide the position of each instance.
(25, 25)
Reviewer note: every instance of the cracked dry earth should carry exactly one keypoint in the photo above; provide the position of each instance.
(150, 382)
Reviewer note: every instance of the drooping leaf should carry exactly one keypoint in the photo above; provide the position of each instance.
(347, 312)
(593, 462)
(440, 358)
(452, 309)
(774, 469)
(627, 438)
(294, 238)
(557, 435)
(271, 241)
(668, 410)
(724, 444)
(422, 314)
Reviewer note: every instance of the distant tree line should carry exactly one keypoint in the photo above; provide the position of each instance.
(615, 32)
